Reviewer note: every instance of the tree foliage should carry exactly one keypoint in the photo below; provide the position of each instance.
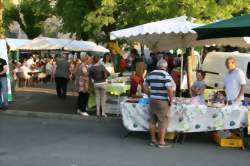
(98, 20)
(72, 13)
(30, 14)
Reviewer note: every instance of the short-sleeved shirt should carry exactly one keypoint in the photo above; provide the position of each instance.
(158, 81)
(82, 78)
(62, 68)
(2, 64)
(97, 73)
(199, 84)
(233, 82)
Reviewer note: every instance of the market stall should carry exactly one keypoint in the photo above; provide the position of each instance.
(118, 86)
(187, 117)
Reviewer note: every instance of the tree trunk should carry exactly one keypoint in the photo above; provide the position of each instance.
(1, 19)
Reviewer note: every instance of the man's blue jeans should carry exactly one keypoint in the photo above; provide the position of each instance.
(3, 92)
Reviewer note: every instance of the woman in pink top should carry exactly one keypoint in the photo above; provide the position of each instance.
(82, 85)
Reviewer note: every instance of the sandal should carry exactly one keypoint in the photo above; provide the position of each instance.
(104, 115)
(153, 143)
(164, 146)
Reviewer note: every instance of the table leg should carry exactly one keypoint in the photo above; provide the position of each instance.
(118, 105)
(127, 134)
(183, 138)
(180, 137)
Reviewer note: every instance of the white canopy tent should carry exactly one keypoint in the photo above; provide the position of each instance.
(14, 44)
(160, 35)
(45, 43)
(232, 41)
(171, 33)
(84, 46)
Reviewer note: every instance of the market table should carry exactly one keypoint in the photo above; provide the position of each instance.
(187, 117)
(117, 88)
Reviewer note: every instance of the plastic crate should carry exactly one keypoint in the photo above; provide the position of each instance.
(248, 121)
(234, 141)
(170, 136)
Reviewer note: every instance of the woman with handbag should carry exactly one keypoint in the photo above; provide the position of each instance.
(98, 74)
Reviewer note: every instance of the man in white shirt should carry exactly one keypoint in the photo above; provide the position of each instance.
(29, 63)
(235, 81)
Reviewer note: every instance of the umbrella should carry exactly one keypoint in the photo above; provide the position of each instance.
(233, 27)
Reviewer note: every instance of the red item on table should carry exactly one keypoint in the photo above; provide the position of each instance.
(135, 81)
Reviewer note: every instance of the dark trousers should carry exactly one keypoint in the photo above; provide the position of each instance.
(47, 78)
(61, 86)
(82, 101)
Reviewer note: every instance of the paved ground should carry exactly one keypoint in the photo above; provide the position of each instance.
(27, 141)
(42, 98)
(37, 142)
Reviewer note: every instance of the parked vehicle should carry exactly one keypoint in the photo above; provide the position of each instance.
(214, 66)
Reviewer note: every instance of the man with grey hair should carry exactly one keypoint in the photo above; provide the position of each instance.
(235, 82)
(61, 76)
(161, 97)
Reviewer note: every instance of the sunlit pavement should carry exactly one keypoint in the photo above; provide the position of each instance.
(27, 141)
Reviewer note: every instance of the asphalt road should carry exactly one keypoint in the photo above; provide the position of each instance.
(43, 98)
(26, 141)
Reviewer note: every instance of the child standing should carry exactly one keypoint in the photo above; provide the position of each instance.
(198, 87)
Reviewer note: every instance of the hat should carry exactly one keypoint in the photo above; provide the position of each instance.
(162, 63)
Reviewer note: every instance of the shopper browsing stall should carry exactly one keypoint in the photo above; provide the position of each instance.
(198, 87)
(161, 96)
(235, 82)
(82, 85)
(98, 73)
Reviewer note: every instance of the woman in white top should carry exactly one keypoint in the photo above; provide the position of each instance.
(107, 64)
(48, 69)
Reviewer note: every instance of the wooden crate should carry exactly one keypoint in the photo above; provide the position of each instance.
(234, 141)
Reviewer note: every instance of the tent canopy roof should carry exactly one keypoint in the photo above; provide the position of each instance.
(45, 43)
(172, 33)
(14, 44)
(174, 25)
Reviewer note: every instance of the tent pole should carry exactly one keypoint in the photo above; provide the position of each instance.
(190, 70)
(181, 74)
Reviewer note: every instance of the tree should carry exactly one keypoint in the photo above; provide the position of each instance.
(72, 13)
(97, 18)
(30, 14)
(1, 18)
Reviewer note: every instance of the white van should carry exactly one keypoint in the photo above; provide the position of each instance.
(214, 66)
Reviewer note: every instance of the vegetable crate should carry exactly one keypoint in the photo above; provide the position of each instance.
(248, 121)
(170, 135)
(234, 141)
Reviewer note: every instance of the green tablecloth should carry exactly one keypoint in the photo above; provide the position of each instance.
(117, 88)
